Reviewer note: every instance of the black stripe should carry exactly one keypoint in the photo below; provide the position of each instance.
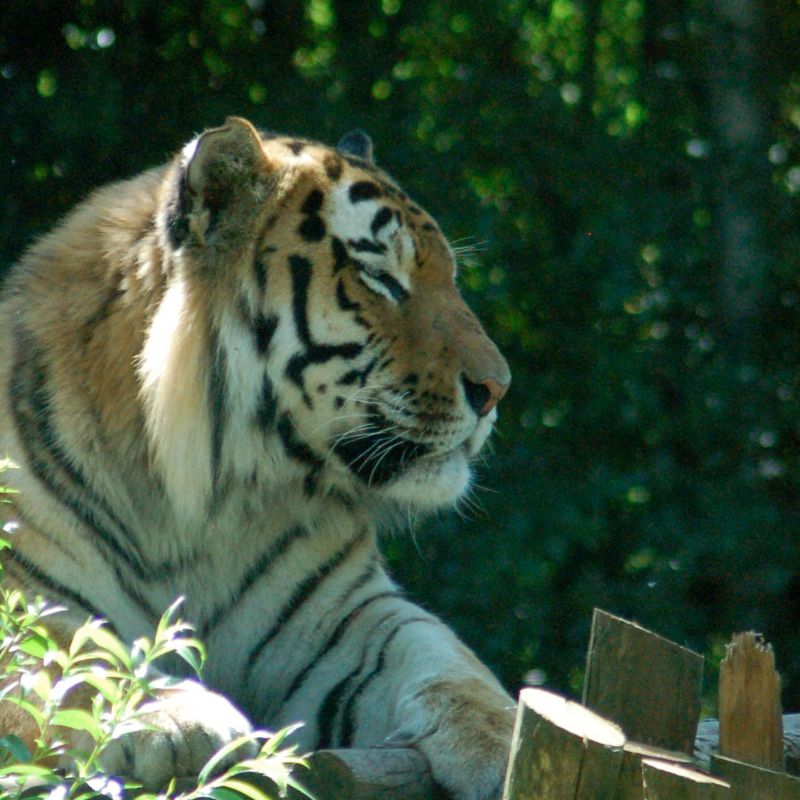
(52, 541)
(346, 304)
(260, 569)
(330, 705)
(348, 715)
(343, 301)
(395, 288)
(335, 638)
(367, 246)
(313, 203)
(260, 272)
(364, 190)
(354, 375)
(315, 353)
(340, 257)
(301, 594)
(264, 328)
(267, 405)
(301, 277)
(217, 408)
(177, 217)
(381, 219)
(312, 229)
(57, 471)
(294, 447)
(52, 586)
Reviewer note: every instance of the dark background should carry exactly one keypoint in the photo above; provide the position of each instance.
(627, 176)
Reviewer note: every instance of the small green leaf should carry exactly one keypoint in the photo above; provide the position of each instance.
(78, 720)
(221, 754)
(220, 793)
(32, 770)
(42, 685)
(103, 638)
(108, 688)
(244, 788)
(16, 747)
(193, 657)
(35, 645)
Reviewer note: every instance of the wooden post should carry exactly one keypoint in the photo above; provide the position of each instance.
(750, 721)
(646, 684)
(561, 751)
(369, 774)
(665, 781)
(629, 783)
(755, 783)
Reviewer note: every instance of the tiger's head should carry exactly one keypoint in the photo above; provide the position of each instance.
(341, 352)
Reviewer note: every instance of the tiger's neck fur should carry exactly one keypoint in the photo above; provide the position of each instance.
(198, 463)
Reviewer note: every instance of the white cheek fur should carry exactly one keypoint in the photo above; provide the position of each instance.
(432, 485)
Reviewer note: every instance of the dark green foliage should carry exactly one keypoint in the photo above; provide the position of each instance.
(637, 262)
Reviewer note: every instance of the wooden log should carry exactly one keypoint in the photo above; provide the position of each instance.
(665, 781)
(749, 782)
(405, 775)
(629, 783)
(750, 719)
(369, 774)
(707, 743)
(646, 684)
(561, 751)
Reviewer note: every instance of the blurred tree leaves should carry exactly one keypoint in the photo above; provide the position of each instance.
(648, 456)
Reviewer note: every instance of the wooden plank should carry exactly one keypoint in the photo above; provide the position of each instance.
(749, 782)
(643, 682)
(750, 718)
(629, 782)
(665, 781)
(561, 751)
(368, 774)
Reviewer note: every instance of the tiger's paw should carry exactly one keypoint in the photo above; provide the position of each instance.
(181, 730)
(464, 729)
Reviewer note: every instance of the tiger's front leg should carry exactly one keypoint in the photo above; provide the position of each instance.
(412, 683)
(449, 707)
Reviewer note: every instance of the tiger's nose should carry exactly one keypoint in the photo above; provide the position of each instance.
(484, 396)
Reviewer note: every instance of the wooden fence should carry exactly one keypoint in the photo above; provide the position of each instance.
(634, 736)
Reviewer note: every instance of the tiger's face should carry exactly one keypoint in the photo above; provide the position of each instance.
(362, 356)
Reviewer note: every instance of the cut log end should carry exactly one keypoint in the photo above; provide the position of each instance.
(561, 749)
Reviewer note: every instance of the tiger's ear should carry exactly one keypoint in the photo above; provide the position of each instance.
(223, 160)
(357, 143)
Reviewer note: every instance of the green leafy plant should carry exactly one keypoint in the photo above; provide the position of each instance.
(40, 678)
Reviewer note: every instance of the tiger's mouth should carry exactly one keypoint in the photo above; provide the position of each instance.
(380, 455)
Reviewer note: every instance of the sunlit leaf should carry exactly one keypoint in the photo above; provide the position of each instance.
(31, 771)
(78, 719)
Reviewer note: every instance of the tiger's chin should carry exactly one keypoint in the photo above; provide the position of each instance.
(430, 484)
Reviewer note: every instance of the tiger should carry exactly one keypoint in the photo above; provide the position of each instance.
(222, 379)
